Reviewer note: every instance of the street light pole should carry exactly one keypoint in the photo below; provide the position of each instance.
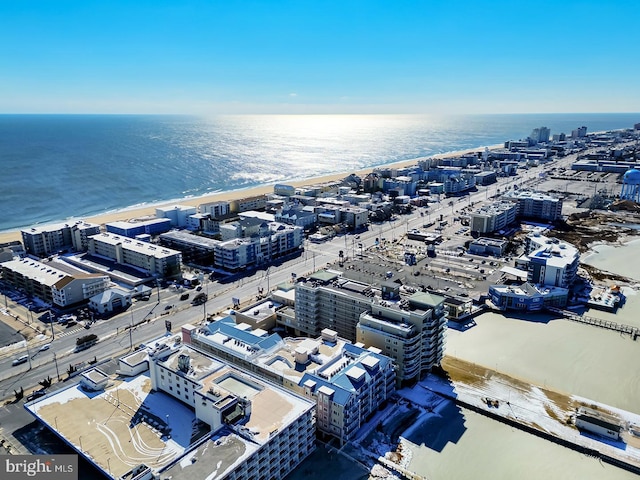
(53, 333)
(55, 360)
(131, 331)
(26, 342)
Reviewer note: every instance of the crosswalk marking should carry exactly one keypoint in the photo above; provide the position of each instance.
(69, 332)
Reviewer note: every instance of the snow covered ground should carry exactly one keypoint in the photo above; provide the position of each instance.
(425, 403)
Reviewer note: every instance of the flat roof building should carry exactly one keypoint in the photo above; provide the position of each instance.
(493, 217)
(549, 261)
(410, 330)
(44, 240)
(535, 204)
(360, 379)
(195, 249)
(177, 214)
(52, 285)
(527, 297)
(153, 226)
(153, 259)
(488, 246)
(191, 416)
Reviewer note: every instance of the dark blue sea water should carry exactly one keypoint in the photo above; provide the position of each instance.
(55, 167)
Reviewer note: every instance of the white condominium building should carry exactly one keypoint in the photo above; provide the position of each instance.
(327, 300)
(409, 329)
(181, 415)
(270, 241)
(153, 259)
(549, 261)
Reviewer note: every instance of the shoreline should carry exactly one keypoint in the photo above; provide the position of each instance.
(145, 210)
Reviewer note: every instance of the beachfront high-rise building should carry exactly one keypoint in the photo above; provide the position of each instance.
(154, 226)
(579, 132)
(540, 135)
(177, 214)
(45, 240)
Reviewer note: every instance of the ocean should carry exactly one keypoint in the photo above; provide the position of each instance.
(57, 167)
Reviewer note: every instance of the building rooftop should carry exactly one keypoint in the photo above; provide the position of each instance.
(145, 248)
(121, 427)
(529, 194)
(495, 242)
(495, 208)
(187, 237)
(54, 227)
(129, 424)
(37, 271)
(127, 225)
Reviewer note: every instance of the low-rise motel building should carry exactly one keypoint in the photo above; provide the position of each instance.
(51, 285)
(175, 412)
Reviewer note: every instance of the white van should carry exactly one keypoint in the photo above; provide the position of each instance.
(19, 360)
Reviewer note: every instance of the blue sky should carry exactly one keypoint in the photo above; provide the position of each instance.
(430, 56)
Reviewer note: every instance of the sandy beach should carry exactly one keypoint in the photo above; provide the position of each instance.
(150, 210)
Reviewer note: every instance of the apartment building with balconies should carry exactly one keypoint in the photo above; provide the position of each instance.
(411, 330)
(153, 259)
(536, 205)
(52, 285)
(348, 382)
(493, 217)
(45, 240)
(549, 261)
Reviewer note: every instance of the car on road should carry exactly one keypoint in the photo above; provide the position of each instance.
(37, 394)
(184, 296)
(44, 347)
(168, 307)
(20, 360)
